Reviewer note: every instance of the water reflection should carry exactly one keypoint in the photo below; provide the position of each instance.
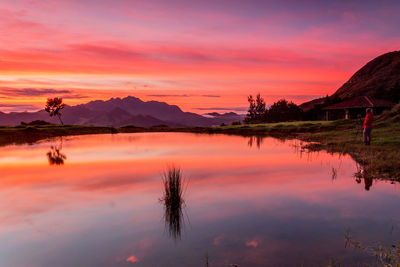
(334, 174)
(252, 207)
(173, 201)
(255, 140)
(55, 157)
(361, 174)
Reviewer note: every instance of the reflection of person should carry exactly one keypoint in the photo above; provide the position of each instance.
(369, 120)
(368, 183)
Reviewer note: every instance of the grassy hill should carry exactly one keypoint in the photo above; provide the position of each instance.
(379, 78)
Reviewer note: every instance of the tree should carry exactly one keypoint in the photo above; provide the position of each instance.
(284, 111)
(53, 107)
(260, 108)
(256, 112)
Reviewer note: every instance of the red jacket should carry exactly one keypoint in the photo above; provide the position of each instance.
(369, 120)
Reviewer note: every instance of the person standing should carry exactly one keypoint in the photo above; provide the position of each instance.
(368, 123)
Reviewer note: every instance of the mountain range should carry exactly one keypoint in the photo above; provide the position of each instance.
(121, 112)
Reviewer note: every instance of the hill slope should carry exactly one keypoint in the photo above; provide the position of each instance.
(379, 78)
(375, 79)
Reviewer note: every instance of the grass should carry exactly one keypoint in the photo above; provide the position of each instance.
(173, 201)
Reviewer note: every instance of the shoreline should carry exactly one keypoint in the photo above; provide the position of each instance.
(379, 161)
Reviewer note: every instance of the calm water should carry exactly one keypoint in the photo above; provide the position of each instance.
(265, 205)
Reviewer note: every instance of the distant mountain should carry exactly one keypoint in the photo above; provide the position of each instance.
(229, 116)
(379, 78)
(119, 112)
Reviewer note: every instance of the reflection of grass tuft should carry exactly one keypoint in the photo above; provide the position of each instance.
(385, 256)
(173, 200)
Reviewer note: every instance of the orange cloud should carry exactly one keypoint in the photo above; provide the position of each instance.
(187, 48)
(252, 243)
(132, 259)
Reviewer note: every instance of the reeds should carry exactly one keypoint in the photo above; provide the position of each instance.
(173, 201)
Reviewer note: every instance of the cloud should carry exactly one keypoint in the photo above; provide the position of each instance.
(181, 95)
(113, 52)
(217, 240)
(300, 44)
(15, 20)
(171, 95)
(224, 108)
(252, 243)
(17, 107)
(31, 91)
(296, 97)
(174, 53)
(210, 95)
(132, 259)
(63, 93)
(74, 96)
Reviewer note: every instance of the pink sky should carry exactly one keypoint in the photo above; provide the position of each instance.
(203, 56)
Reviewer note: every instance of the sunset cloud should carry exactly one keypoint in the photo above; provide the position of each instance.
(31, 91)
(132, 259)
(184, 95)
(252, 243)
(17, 107)
(205, 49)
(239, 109)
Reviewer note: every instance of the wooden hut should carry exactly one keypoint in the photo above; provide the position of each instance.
(356, 107)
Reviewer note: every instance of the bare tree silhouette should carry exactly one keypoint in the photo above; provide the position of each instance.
(53, 107)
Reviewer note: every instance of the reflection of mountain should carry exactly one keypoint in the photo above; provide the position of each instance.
(126, 111)
(173, 201)
(55, 156)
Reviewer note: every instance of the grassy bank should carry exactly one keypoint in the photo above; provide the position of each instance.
(380, 160)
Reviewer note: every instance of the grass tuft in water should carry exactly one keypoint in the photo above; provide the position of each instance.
(173, 201)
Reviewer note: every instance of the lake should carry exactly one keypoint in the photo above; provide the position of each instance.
(96, 200)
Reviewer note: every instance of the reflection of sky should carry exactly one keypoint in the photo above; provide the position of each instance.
(249, 206)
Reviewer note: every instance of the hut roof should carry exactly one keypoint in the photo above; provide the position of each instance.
(361, 102)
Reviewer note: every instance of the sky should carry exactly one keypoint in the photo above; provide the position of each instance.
(203, 56)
